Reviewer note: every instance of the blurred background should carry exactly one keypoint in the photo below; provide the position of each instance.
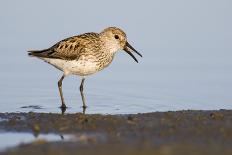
(186, 47)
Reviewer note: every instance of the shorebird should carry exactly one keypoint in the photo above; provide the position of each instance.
(85, 54)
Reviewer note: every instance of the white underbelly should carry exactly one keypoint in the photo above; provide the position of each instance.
(80, 67)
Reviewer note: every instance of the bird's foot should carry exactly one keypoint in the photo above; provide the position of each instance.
(84, 109)
(63, 108)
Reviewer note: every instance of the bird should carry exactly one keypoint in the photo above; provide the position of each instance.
(84, 55)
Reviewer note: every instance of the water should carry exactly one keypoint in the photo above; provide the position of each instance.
(186, 48)
(12, 139)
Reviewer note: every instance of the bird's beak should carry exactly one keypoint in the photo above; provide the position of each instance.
(129, 49)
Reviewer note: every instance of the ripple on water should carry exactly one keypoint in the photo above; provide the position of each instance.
(32, 107)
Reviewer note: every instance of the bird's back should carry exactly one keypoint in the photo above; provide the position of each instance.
(80, 55)
(70, 48)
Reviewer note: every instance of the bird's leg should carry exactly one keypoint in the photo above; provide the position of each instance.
(84, 109)
(82, 94)
(63, 106)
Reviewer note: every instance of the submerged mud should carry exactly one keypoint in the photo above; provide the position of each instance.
(181, 132)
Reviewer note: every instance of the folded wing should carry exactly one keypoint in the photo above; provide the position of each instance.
(67, 49)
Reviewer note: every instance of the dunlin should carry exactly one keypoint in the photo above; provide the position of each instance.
(85, 54)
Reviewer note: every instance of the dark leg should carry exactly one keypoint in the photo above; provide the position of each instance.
(84, 109)
(63, 106)
(82, 94)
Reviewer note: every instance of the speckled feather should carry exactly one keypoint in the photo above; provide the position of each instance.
(84, 54)
(71, 48)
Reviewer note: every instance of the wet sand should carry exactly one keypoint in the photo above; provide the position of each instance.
(160, 133)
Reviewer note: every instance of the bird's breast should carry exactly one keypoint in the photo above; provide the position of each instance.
(84, 66)
(104, 60)
(81, 67)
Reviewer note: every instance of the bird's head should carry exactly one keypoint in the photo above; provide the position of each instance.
(115, 39)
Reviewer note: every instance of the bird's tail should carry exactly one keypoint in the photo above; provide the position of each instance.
(33, 52)
(40, 53)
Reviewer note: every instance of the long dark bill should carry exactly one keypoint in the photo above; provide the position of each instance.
(129, 49)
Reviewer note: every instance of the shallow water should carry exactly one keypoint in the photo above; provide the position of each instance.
(12, 139)
(186, 60)
(9, 140)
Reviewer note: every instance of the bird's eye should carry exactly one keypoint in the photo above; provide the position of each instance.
(116, 37)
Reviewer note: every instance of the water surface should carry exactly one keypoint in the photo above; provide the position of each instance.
(186, 62)
(12, 139)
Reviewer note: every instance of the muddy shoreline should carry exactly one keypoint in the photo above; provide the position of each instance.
(180, 132)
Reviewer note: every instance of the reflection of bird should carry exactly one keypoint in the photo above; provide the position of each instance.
(85, 54)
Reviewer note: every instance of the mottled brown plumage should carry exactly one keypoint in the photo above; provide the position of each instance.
(85, 54)
(70, 48)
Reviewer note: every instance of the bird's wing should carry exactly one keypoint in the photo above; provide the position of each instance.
(70, 48)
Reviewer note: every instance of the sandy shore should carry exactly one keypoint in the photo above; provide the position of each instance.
(160, 133)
